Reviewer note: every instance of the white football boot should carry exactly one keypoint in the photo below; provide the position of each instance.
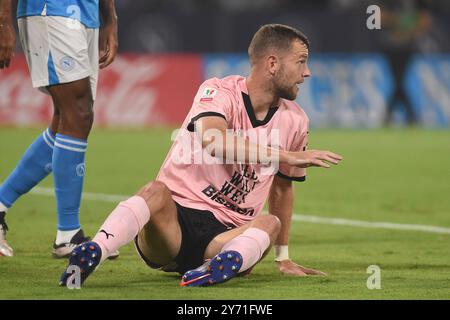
(5, 249)
(64, 250)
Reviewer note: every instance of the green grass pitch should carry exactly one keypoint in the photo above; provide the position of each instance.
(397, 176)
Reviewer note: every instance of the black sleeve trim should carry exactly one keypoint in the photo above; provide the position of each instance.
(190, 126)
(299, 179)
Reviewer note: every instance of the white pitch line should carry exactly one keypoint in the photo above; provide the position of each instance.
(367, 224)
(296, 217)
(86, 195)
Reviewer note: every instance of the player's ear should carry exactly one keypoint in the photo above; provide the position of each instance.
(272, 64)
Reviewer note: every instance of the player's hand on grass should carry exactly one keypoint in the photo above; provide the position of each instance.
(289, 267)
(313, 158)
(7, 43)
(108, 43)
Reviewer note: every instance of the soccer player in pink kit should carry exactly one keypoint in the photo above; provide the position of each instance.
(243, 142)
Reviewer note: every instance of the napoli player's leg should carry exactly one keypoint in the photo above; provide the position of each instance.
(75, 104)
(71, 124)
(151, 214)
(72, 73)
(34, 166)
(235, 252)
(63, 61)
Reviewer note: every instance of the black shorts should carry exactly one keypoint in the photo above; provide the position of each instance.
(198, 228)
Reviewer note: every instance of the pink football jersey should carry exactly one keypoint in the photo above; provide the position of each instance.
(234, 192)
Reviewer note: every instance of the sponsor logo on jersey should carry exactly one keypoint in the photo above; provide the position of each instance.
(235, 190)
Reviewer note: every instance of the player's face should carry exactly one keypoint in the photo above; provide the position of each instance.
(293, 71)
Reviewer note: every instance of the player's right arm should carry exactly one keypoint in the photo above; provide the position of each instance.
(215, 138)
(7, 34)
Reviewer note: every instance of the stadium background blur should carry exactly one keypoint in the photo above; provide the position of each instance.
(381, 98)
(362, 78)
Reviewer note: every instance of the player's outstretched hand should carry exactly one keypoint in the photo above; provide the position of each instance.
(7, 43)
(108, 43)
(313, 158)
(289, 267)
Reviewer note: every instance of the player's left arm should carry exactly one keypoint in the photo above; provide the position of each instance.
(281, 203)
(108, 39)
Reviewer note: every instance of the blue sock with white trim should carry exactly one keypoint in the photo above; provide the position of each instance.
(68, 176)
(35, 165)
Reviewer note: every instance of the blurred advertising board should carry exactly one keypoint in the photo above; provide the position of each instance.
(136, 90)
(427, 83)
(348, 91)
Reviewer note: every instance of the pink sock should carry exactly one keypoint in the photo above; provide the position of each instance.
(122, 225)
(251, 244)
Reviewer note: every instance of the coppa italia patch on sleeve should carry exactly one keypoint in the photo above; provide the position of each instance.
(208, 94)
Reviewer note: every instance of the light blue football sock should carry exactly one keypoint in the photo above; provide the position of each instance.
(68, 176)
(34, 166)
